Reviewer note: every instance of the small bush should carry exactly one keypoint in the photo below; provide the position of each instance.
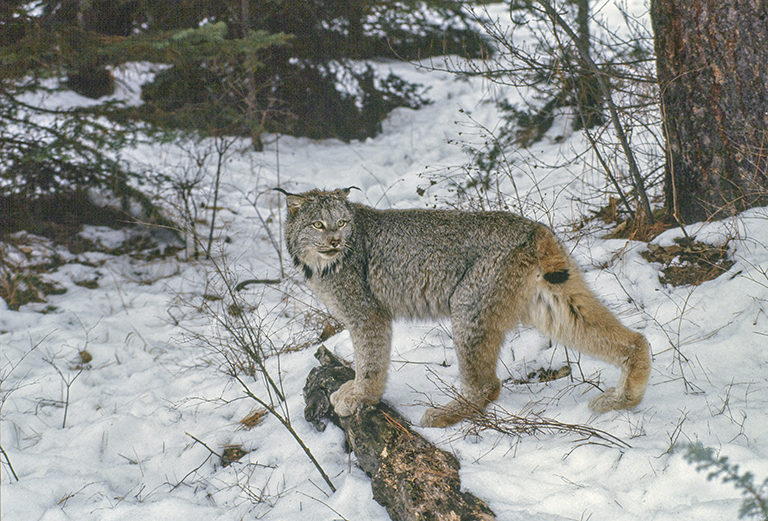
(755, 504)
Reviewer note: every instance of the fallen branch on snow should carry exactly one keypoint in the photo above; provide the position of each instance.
(410, 477)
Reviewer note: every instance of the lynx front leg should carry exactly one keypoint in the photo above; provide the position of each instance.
(477, 350)
(371, 337)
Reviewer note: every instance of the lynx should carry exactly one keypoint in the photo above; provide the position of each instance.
(487, 271)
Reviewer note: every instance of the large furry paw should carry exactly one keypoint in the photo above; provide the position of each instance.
(610, 400)
(347, 400)
(444, 416)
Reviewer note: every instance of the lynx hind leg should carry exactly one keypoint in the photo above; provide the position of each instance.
(570, 313)
(630, 389)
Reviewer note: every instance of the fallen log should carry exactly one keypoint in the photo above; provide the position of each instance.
(410, 477)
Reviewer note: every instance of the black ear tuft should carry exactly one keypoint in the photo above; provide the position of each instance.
(556, 277)
(342, 193)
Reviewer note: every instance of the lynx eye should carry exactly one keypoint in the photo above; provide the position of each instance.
(341, 224)
(318, 225)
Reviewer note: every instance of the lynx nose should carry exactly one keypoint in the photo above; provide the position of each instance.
(334, 242)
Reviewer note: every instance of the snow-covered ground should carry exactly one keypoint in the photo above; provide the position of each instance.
(145, 414)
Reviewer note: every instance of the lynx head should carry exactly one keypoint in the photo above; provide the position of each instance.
(318, 230)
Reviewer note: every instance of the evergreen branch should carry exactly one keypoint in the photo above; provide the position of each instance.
(754, 504)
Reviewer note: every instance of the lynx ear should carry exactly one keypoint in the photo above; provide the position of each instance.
(293, 201)
(344, 192)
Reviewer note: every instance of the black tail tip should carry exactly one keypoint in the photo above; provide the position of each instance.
(556, 277)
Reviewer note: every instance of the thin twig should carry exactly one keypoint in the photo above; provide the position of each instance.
(222, 145)
(291, 430)
(8, 461)
(204, 445)
(499, 420)
(326, 505)
(67, 383)
(250, 338)
(606, 92)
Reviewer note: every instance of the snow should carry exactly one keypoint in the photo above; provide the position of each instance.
(127, 449)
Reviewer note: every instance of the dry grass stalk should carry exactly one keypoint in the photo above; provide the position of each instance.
(533, 424)
(254, 418)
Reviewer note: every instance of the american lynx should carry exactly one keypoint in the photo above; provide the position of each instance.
(487, 271)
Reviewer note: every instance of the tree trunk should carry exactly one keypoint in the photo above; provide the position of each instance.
(711, 58)
(589, 102)
(410, 477)
(251, 97)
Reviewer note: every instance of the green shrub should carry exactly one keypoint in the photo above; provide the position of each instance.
(755, 504)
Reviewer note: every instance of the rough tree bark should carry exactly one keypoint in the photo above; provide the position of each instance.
(411, 478)
(711, 58)
(588, 97)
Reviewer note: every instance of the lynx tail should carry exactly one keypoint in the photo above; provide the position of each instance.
(552, 259)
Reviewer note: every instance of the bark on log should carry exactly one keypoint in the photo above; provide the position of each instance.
(410, 477)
